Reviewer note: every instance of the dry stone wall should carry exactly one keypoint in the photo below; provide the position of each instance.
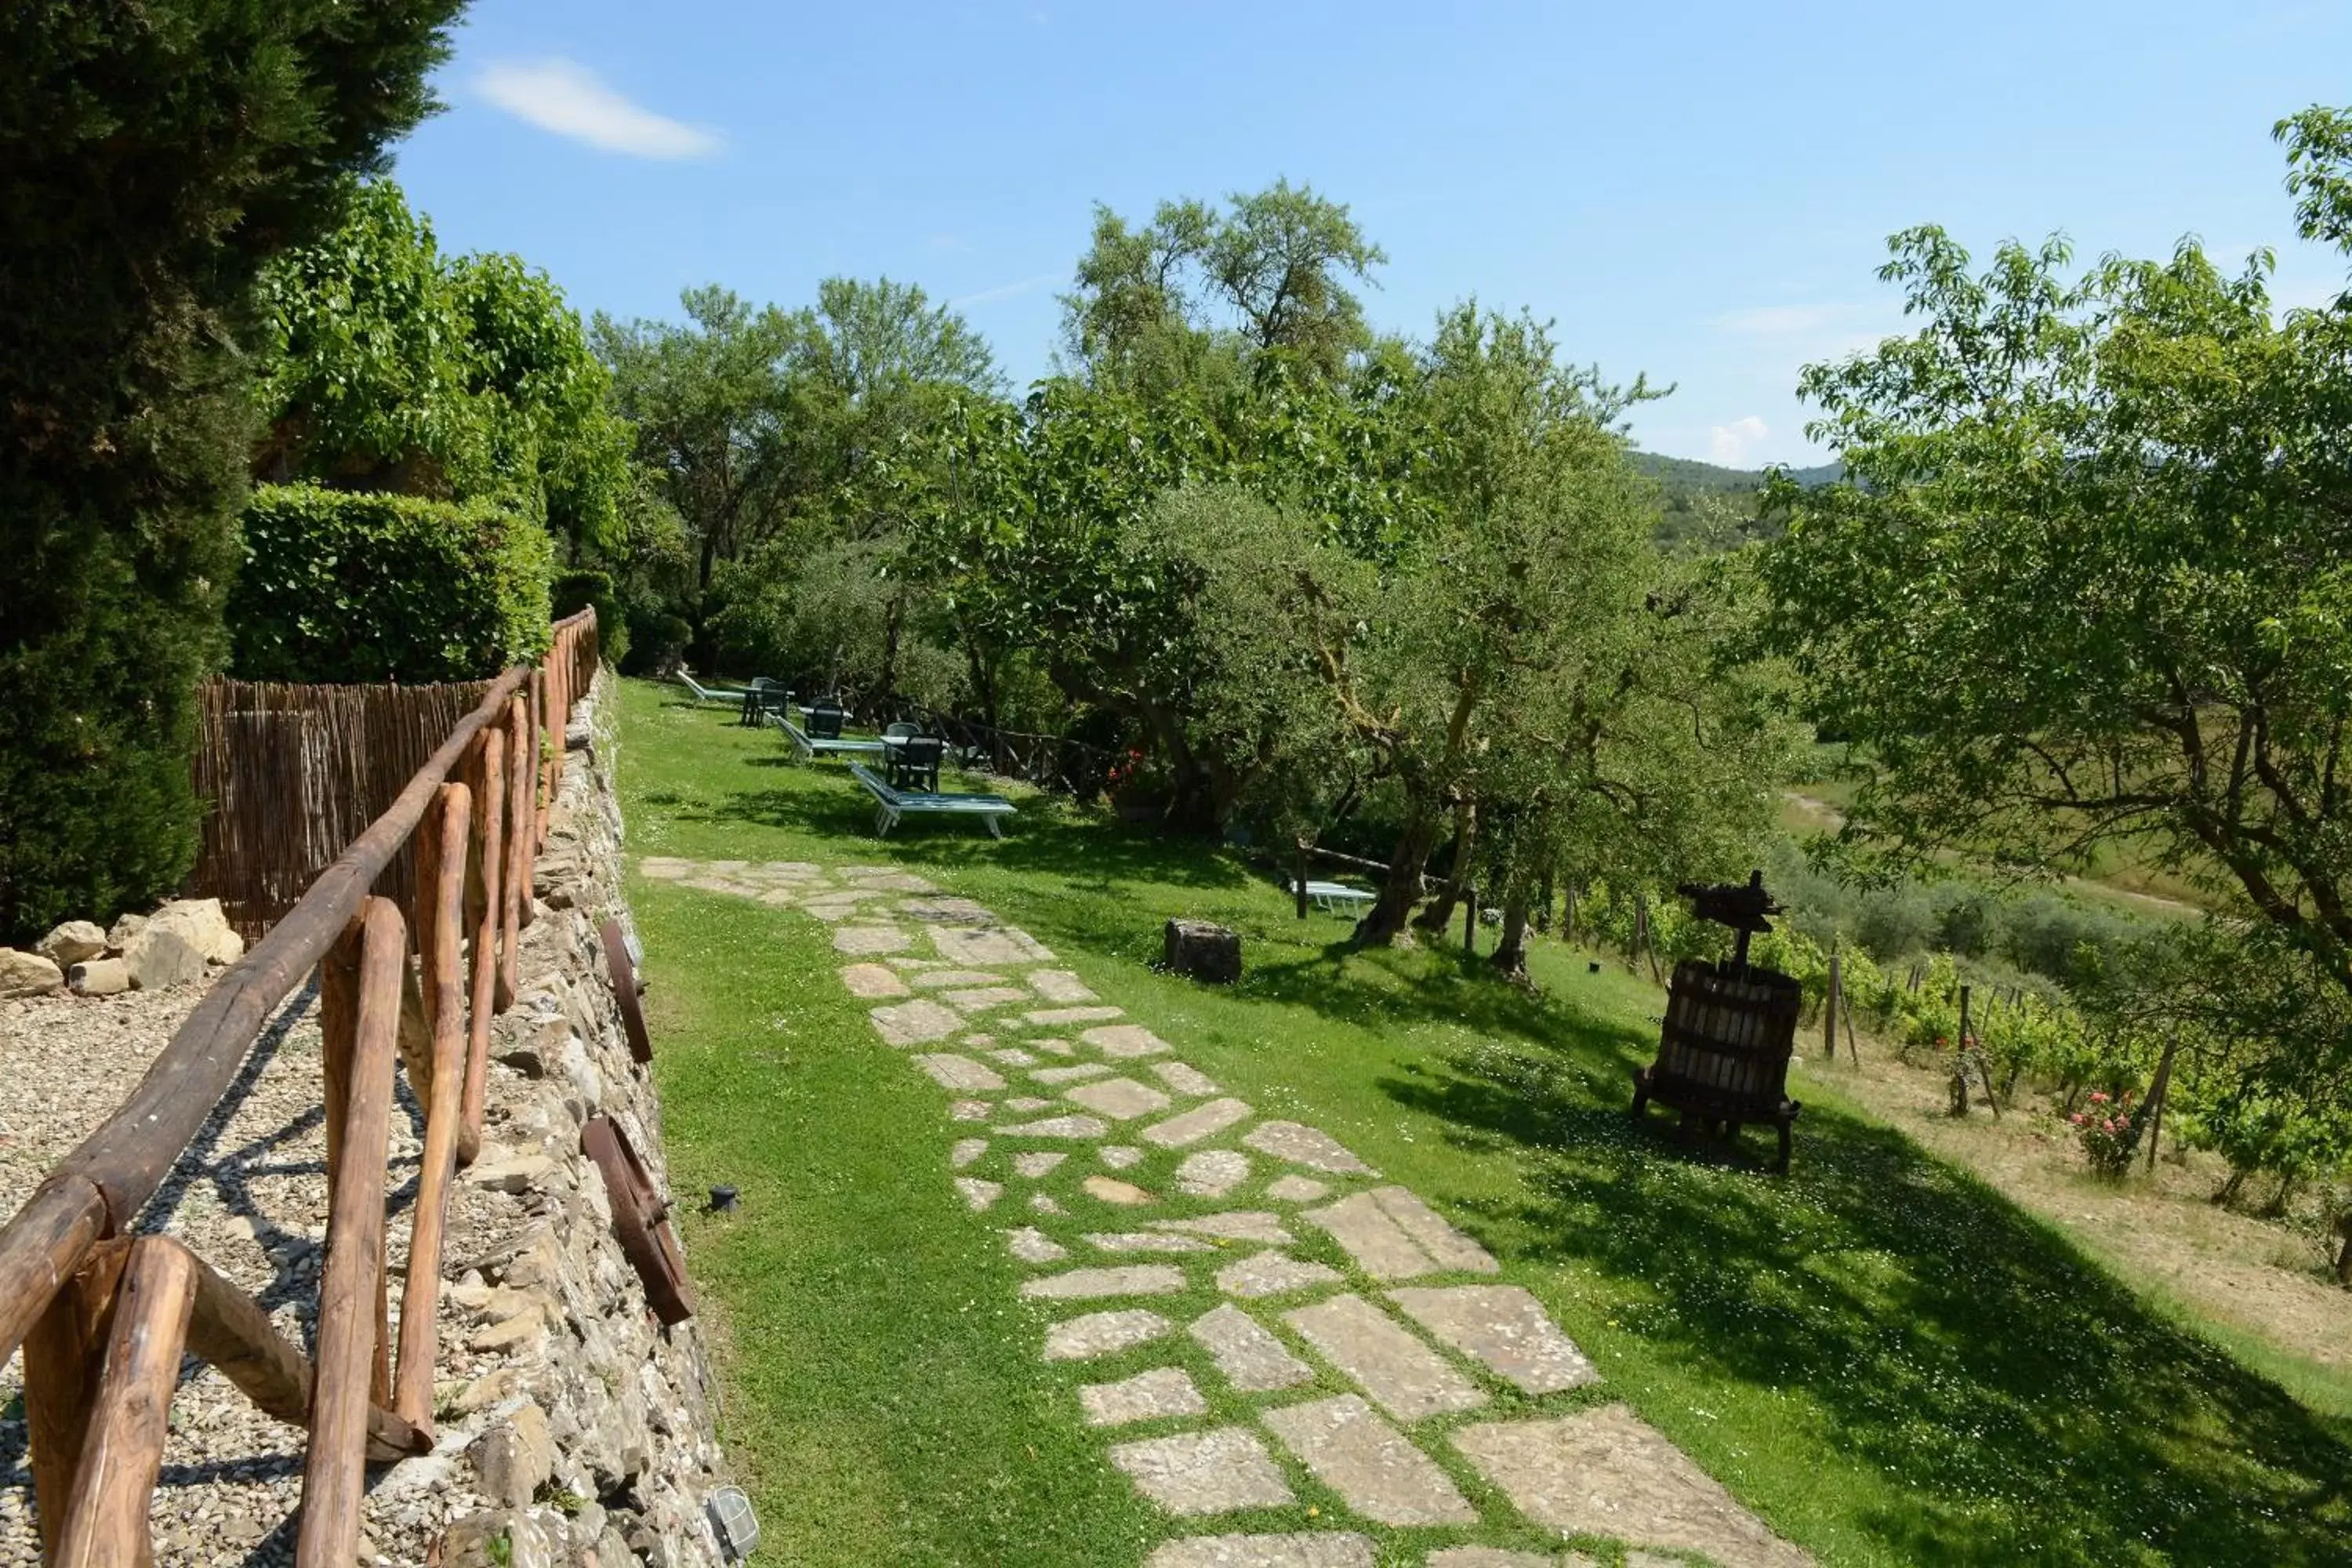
(588, 1427)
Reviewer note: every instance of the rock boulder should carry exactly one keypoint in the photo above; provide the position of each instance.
(71, 941)
(28, 974)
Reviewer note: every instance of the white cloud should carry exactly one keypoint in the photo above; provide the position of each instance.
(567, 98)
(1729, 445)
(1004, 290)
(1782, 320)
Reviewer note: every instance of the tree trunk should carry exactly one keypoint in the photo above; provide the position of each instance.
(1385, 921)
(2344, 1258)
(886, 699)
(1510, 956)
(1440, 913)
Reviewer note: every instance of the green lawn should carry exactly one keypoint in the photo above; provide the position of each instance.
(1887, 1360)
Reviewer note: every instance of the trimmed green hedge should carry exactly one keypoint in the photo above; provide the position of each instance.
(348, 587)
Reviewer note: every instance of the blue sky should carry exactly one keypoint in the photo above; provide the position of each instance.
(1700, 192)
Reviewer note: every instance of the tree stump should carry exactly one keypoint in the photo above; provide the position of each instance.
(1204, 951)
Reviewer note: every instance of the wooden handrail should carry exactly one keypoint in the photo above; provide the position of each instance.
(126, 1159)
(107, 1317)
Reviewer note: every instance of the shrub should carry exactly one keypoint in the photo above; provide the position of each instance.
(580, 589)
(153, 157)
(2109, 1131)
(342, 586)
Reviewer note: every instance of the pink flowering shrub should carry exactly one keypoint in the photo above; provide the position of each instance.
(2108, 1130)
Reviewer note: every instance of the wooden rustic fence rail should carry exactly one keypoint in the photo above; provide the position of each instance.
(104, 1318)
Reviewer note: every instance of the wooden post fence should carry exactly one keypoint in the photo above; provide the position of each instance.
(104, 1321)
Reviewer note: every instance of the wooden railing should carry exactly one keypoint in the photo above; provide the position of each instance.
(104, 1318)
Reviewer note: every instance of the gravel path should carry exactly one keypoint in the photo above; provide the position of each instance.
(250, 1198)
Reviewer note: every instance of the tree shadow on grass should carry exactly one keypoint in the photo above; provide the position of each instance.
(1047, 838)
(2029, 1407)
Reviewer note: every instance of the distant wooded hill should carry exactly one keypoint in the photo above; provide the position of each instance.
(1688, 476)
(1713, 507)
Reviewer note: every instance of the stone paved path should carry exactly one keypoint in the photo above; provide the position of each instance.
(1387, 1382)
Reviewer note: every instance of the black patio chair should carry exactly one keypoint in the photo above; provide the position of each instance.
(914, 763)
(824, 720)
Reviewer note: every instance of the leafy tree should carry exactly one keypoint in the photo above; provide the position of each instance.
(1164, 306)
(152, 158)
(776, 434)
(714, 413)
(2090, 579)
(1528, 566)
(395, 368)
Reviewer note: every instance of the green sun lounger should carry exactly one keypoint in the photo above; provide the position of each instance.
(808, 747)
(890, 804)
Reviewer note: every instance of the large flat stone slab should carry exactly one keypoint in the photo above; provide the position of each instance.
(954, 979)
(1101, 1334)
(1059, 986)
(1211, 1172)
(1306, 1146)
(1367, 1461)
(980, 998)
(1605, 1472)
(1332, 1548)
(1035, 1162)
(873, 981)
(1111, 1190)
(916, 1023)
(939, 909)
(1204, 1472)
(883, 879)
(1184, 1078)
(1120, 1099)
(978, 1192)
(1146, 1241)
(1273, 1274)
(1121, 1042)
(965, 1152)
(1200, 1121)
(979, 948)
(868, 939)
(1076, 1072)
(951, 1071)
(1251, 1356)
(1296, 1189)
(1054, 1018)
(1505, 1327)
(1380, 1247)
(1090, 1284)
(1234, 1224)
(1447, 1246)
(1405, 1377)
(1152, 1396)
(1031, 1245)
(1496, 1557)
(1058, 1127)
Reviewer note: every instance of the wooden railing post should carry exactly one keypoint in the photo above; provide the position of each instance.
(444, 855)
(64, 1355)
(105, 1521)
(520, 782)
(351, 1289)
(490, 789)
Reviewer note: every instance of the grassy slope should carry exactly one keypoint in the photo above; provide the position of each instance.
(1889, 1361)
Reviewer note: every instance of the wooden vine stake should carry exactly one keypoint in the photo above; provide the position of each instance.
(1829, 1010)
